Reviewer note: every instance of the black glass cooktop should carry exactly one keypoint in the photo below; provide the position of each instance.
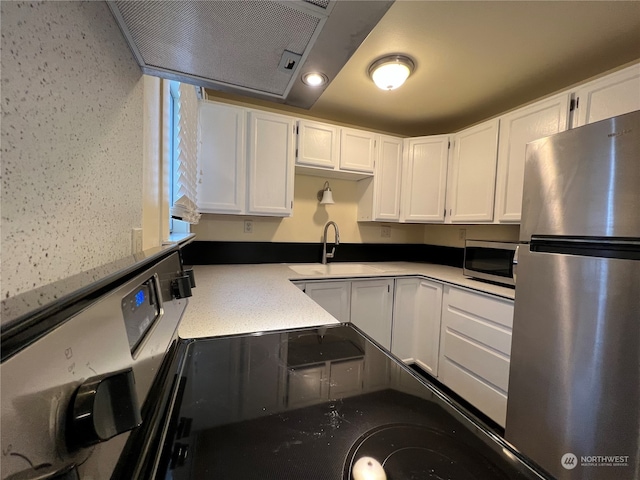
(307, 404)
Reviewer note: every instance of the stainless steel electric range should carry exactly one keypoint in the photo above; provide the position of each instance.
(104, 388)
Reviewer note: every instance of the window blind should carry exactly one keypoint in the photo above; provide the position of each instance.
(186, 151)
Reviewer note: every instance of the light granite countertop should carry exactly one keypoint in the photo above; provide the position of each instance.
(237, 299)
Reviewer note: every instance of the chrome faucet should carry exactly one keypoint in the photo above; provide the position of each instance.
(326, 255)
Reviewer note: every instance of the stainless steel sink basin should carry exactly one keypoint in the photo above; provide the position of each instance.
(334, 269)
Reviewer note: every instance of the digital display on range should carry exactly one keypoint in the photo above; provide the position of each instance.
(140, 310)
(140, 297)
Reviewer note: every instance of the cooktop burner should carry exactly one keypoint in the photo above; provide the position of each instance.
(418, 452)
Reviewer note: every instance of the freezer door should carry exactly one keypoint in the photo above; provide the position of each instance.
(574, 385)
(584, 182)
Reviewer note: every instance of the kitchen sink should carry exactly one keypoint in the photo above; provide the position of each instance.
(334, 269)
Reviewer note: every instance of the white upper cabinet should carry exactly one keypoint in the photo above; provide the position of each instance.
(318, 144)
(357, 150)
(246, 161)
(221, 161)
(516, 130)
(424, 179)
(270, 164)
(379, 197)
(615, 94)
(388, 178)
(473, 171)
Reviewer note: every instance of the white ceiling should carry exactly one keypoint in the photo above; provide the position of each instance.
(476, 59)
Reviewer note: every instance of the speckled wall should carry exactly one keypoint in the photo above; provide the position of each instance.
(72, 146)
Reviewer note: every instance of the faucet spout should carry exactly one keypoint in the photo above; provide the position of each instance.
(331, 254)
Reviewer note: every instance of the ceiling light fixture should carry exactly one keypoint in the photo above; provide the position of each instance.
(325, 196)
(389, 72)
(314, 79)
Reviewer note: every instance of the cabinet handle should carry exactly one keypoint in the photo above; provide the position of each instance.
(515, 263)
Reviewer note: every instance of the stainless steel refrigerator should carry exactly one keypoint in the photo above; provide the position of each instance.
(574, 384)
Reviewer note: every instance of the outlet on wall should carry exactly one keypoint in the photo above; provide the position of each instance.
(462, 234)
(136, 240)
(248, 226)
(385, 232)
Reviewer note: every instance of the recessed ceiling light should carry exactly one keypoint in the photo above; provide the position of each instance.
(314, 79)
(389, 72)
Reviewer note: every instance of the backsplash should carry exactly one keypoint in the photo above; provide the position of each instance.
(72, 99)
(308, 220)
(451, 236)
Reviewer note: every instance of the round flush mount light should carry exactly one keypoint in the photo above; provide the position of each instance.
(389, 72)
(314, 79)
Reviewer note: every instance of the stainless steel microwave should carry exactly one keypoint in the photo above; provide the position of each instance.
(492, 261)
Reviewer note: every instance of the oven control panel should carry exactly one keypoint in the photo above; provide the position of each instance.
(70, 398)
(140, 309)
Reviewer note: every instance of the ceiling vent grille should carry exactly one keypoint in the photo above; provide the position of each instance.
(223, 43)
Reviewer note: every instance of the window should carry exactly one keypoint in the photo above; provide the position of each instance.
(183, 115)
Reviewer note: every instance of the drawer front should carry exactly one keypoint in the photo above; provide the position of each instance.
(475, 348)
(491, 401)
(490, 308)
(480, 330)
(487, 365)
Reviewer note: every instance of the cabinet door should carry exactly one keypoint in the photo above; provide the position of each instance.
(221, 159)
(317, 144)
(357, 150)
(334, 297)
(416, 322)
(346, 378)
(615, 94)
(387, 179)
(372, 308)
(425, 179)
(427, 330)
(516, 130)
(271, 164)
(307, 386)
(474, 173)
(262, 378)
(475, 349)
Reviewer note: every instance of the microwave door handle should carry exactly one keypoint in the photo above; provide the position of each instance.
(515, 263)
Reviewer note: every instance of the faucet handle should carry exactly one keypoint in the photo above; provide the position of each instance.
(333, 252)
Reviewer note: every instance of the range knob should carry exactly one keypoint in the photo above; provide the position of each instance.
(101, 408)
(181, 285)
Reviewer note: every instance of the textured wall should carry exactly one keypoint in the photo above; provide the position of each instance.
(71, 142)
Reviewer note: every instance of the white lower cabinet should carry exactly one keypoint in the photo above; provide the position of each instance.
(460, 336)
(334, 297)
(475, 348)
(372, 308)
(416, 322)
(307, 386)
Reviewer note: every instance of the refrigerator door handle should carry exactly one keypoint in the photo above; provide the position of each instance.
(515, 263)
